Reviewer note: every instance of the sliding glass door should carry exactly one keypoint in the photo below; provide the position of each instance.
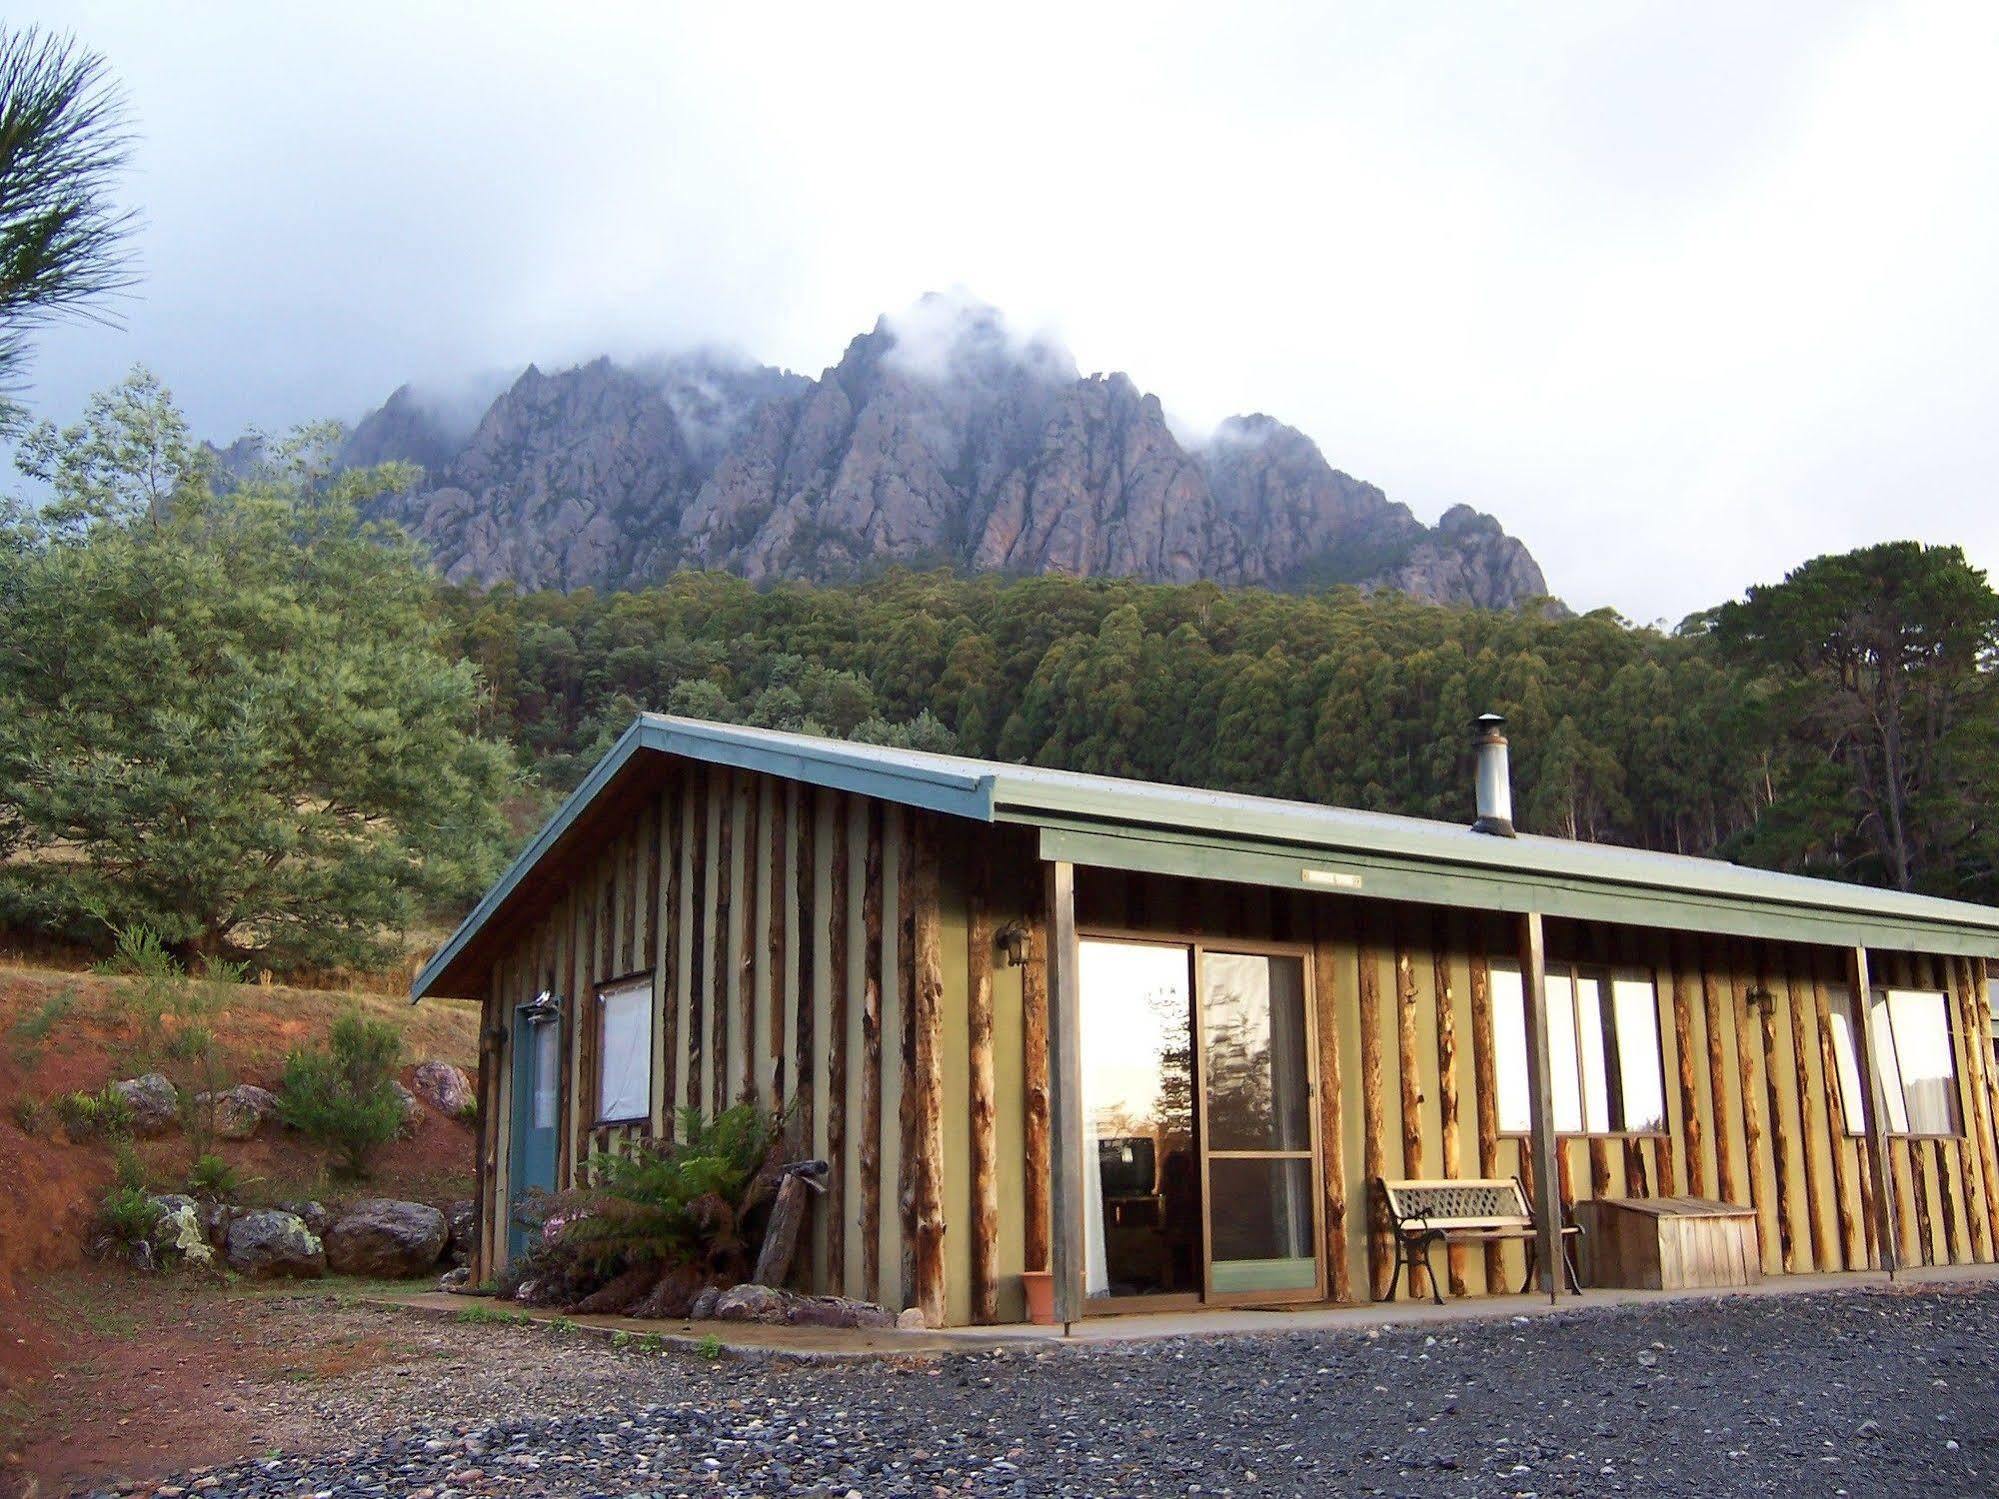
(1257, 1127)
(1201, 1176)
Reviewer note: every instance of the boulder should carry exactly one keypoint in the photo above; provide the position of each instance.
(313, 1214)
(154, 1104)
(458, 1281)
(407, 1101)
(266, 1242)
(240, 1111)
(775, 1308)
(179, 1234)
(386, 1239)
(444, 1087)
(463, 1219)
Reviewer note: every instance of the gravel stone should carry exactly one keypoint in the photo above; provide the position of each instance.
(1861, 1392)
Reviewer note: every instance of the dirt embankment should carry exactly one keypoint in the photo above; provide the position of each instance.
(65, 1031)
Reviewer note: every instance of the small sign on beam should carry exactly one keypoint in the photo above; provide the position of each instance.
(1337, 879)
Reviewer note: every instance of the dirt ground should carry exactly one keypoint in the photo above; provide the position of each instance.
(142, 1376)
(66, 1329)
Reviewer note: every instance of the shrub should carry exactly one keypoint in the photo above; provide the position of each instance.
(211, 1176)
(28, 1115)
(106, 1114)
(343, 1095)
(127, 1169)
(125, 1215)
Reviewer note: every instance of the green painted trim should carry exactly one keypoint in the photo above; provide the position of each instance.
(1386, 877)
(1397, 857)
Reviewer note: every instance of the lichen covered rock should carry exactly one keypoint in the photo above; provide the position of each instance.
(266, 1242)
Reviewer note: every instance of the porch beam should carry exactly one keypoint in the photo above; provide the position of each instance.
(1540, 1105)
(1065, 1093)
(1859, 986)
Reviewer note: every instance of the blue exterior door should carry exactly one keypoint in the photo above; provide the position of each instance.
(537, 1100)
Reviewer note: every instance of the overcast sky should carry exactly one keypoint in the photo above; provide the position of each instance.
(1683, 293)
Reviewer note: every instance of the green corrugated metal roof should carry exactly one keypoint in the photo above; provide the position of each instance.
(1144, 825)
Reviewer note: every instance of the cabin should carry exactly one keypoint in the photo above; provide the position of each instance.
(1135, 1046)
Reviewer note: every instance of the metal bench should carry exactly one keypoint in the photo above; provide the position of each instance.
(1483, 1211)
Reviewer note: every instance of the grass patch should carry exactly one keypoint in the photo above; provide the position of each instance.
(489, 1316)
(30, 1031)
(92, 1306)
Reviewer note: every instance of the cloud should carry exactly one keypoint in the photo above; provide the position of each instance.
(1682, 292)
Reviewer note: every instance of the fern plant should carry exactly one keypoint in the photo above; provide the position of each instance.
(674, 1204)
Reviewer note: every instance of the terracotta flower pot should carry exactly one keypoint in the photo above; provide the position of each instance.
(1040, 1288)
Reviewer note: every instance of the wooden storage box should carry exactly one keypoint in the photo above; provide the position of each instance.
(1668, 1243)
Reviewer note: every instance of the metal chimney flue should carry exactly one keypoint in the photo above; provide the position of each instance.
(1495, 778)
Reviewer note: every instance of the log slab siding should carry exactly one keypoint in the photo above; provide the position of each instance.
(838, 957)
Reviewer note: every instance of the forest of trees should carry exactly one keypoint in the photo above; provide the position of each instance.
(1763, 731)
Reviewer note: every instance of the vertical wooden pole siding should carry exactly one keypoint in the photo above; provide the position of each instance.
(701, 838)
(1825, 1254)
(1408, 1068)
(1486, 1083)
(1332, 1092)
(871, 1060)
(1380, 1253)
(780, 994)
(1034, 1070)
(838, 1187)
(910, 1152)
(985, 1225)
(927, 1081)
(1977, 1052)
(1065, 1093)
(750, 949)
(1780, 1162)
(666, 962)
(1452, 1164)
(1727, 1183)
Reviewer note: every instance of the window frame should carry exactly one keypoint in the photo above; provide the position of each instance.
(1839, 1007)
(642, 981)
(1606, 976)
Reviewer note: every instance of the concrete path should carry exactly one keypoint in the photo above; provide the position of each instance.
(837, 1345)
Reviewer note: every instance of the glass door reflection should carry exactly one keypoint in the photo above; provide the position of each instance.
(1142, 1181)
(1256, 1115)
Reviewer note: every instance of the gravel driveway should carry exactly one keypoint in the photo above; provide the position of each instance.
(1856, 1392)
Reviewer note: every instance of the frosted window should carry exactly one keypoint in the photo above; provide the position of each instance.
(547, 1044)
(624, 1052)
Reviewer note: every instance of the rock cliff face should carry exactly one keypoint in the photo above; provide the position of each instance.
(938, 439)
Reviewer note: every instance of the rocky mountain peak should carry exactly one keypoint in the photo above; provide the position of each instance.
(941, 437)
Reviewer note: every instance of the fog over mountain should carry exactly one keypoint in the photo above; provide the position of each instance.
(941, 437)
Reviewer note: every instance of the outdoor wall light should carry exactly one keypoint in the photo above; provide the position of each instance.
(1761, 999)
(545, 1007)
(1012, 941)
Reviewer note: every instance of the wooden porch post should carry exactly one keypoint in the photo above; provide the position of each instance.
(1065, 1095)
(1540, 1105)
(1870, 1087)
